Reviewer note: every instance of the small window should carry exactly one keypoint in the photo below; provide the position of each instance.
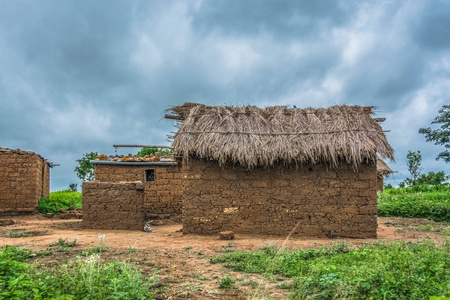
(149, 175)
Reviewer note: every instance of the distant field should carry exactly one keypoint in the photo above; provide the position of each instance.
(58, 200)
(430, 202)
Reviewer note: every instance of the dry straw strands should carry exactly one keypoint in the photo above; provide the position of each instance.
(382, 169)
(255, 137)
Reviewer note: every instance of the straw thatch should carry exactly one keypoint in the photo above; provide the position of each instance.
(254, 137)
(383, 169)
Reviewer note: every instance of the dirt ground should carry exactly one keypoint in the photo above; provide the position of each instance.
(183, 261)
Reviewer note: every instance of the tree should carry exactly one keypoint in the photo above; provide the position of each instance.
(414, 159)
(440, 136)
(73, 187)
(148, 150)
(432, 178)
(85, 170)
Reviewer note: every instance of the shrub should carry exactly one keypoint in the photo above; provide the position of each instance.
(57, 200)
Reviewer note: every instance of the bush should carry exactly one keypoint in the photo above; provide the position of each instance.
(419, 201)
(378, 271)
(57, 200)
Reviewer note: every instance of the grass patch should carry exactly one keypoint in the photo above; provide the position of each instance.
(423, 201)
(78, 278)
(57, 200)
(380, 270)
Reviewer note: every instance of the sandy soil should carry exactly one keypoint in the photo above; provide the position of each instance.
(183, 260)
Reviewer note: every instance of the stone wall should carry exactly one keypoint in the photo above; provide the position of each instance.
(162, 196)
(24, 179)
(113, 205)
(309, 200)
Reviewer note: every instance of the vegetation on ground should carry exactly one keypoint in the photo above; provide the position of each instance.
(57, 200)
(381, 270)
(78, 278)
(18, 234)
(419, 201)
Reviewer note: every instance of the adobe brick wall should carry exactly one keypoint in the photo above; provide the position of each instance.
(272, 201)
(113, 205)
(24, 179)
(162, 196)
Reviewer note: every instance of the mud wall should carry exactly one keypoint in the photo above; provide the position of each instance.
(24, 179)
(161, 196)
(113, 205)
(380, 181)
(311, 201)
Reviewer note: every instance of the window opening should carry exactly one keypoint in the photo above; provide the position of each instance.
(149, 175)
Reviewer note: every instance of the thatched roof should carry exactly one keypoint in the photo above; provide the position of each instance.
(383, 169)
(254, 137)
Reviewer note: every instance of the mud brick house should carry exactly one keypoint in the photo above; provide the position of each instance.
(126, 194)
(24, 179)
(383, 171)
(312, 172)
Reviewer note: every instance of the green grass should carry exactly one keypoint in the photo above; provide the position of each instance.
(378, 271)
(58, 200)
(77, 278)
(423, 201)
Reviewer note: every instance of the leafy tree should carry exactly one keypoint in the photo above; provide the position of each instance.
(85, 170)
(73, 187)
(148, 150)
(432, 178)
(387, 186)
(440, 136)
(414, 160)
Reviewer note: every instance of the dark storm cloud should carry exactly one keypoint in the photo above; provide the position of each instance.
(80, 76)
(283, 20)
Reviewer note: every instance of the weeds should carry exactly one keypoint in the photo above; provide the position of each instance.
(228, 248)
(98, 249)
(79, 278)
(380, 270)
(65, 243)
(18, 234)
(227, 282)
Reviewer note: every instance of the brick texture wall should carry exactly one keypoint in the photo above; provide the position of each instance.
(273, 201)
(24, 179)
(113, 205)
(162, 196)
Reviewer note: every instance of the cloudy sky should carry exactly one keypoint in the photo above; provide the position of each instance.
(80, 76)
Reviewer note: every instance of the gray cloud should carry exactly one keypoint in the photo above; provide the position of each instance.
(80, 76)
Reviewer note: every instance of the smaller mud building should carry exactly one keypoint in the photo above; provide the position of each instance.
(24, 179)
(312, 172)
(126, 194)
